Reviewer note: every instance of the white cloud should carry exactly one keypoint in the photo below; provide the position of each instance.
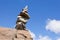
(58, 39)
(44, 38)
(32, 35)
(53, 25)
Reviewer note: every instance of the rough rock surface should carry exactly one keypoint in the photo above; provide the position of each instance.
(13, 34)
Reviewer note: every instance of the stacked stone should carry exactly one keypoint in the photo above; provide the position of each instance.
(22, 19)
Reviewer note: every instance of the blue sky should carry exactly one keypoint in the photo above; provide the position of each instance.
(39, 10)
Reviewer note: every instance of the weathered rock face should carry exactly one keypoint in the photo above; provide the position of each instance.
(13, 34)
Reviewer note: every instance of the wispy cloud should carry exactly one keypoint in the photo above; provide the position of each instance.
(44, 38)
(32, 35)
(53, 25)
(58, 39)
(40, 37)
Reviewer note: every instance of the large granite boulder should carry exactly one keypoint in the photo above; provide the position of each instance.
(13, 34)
